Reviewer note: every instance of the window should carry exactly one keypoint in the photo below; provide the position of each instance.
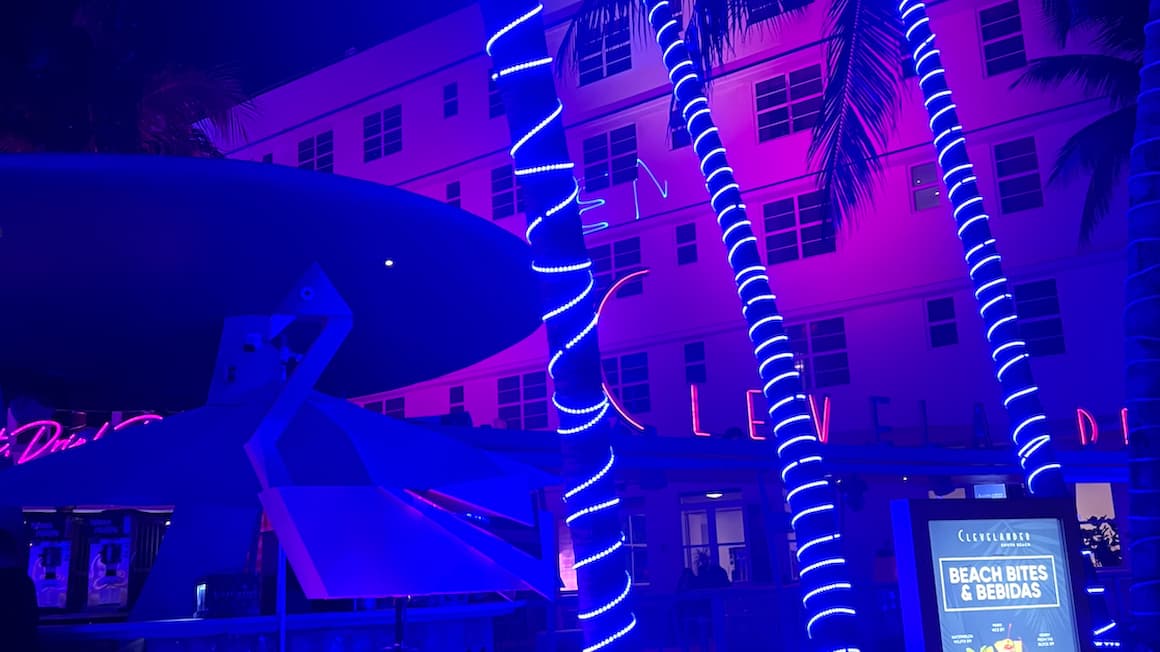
(506, 196)
(627, 376)
(317, 152)
(610, 158)
(454, 193)
(714, 533)
(761, 10)
(1017, 168)
(394, 407)
(636, 542)
(695, 372)
(451, 100)
(924, 188)
(821, 350)
(523, 401)
(1040, 324)
(1002, 32)
(788, 103)
(687, 243)
(604, 52)
(940, 321)
(790, 234)
(678, 131)
(455, 399)
(494, 100)
(611, 263)
(383, 133)
(267, 158)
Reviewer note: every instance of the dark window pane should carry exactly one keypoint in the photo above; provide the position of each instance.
(944, 334)
(940, 309)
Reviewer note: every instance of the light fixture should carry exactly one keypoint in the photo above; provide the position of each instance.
(390, 262)
(714, 495)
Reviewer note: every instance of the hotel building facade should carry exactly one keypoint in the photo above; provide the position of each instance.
(880, 309)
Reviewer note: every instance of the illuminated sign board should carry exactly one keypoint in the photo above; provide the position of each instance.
(990, 576)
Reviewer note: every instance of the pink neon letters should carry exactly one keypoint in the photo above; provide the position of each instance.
(47, 436)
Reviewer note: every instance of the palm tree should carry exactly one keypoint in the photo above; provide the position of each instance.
(82, 76)
(523, 72)
(825, 580)
(1044, 476)
(858, 108)
(1142, 350)
(1099, 150)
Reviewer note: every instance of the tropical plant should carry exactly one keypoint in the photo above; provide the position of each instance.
(85, 76)
(523, 73)
(1099, 150)
(1101, 537)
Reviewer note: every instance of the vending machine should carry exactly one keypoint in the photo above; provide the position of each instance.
(108, 559)
(49, 556)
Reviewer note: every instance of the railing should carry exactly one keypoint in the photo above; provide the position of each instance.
(454, 627)
(735, 619)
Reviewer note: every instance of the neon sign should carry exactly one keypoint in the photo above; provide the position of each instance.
(1087, 425)
(48, 436)
(1089, 429)
(591, 204)
(821, 421)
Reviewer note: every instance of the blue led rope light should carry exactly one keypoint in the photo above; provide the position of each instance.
(1044, 476)
(997, 305)
(828, 594)
(523, 73)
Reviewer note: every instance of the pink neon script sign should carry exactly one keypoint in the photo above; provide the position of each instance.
(48, 436)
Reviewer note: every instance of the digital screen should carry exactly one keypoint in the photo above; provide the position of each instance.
(1003, 585)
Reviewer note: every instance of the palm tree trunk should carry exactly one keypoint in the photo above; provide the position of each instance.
(523, 72)
(1043, 475)
(1142, 347)
(826, 586)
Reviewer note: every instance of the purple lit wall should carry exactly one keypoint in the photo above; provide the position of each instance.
(888, 264)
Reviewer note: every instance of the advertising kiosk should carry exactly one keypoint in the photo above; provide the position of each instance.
(990, 576)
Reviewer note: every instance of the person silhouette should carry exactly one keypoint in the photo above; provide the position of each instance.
(18, 609)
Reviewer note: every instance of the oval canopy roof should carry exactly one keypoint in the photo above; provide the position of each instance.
(116, 274)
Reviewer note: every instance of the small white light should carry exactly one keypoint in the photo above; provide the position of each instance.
(905, 478)
(390, 262)
(714, 495)
(166, 523)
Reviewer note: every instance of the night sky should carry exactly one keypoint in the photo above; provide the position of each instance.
(263, 43)
(268, 42)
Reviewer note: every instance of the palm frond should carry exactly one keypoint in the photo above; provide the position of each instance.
(595, 17)
(175, 100)
(714, 26)
(1118, 24)
(1099, 150)
(711, 28)
(1060, 18)
(859, 101)
(1098, 74)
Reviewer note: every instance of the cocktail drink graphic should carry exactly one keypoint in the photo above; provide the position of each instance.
(1009, 644)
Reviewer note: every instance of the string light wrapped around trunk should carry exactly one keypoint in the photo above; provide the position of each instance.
(827, 591)
(522, 70)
